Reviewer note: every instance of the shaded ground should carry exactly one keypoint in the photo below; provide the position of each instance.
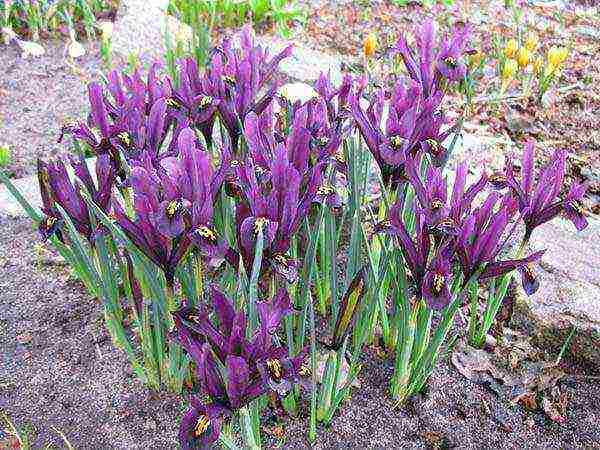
(37, 96)
(59, 369)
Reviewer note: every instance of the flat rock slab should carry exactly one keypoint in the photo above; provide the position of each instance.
(140, 30)
(569, 294)
(30, 190)
(305, 64)
(28, 187)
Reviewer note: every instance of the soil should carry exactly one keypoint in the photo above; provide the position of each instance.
(37, 96)
(59, 371)
(59, 368)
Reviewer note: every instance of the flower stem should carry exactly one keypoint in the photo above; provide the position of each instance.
(247, 429)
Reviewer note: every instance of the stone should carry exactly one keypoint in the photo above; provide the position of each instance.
(140, 29)
(305, 64)
(569, 293)
(29, 189)
(479, 149)
(297, 92)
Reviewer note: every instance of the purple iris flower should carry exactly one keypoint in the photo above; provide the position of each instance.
(243, 80)
(232, 369)
(200, 427)
(276, 188)
(192, 103)
(128, 134)
(541, 201)
(441, 213)
(173, 205)
(336, 99)
(271, 202)
(481, 238)
(428, 267)
(433, 62)
(132, 92)
(308, 158)
(130, 116)
(56, 187)
(388, 142)
(436, 282)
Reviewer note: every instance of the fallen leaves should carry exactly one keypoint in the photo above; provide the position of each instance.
(24, 338)
(515, 370)
(555, 407)
(10, 444)
(435, 440)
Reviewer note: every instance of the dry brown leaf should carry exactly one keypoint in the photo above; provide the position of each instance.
(528, 400)
(435, 439)
(552, 410)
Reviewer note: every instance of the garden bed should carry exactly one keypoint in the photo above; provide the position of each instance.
(60, 371)
(341, 26)
(37, 95)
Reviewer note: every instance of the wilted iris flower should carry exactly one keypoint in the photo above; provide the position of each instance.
(232, 369)
(57, 188)
(540, 200)
(244, 80)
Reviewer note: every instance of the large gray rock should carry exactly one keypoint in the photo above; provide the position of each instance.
(28, 187)
(141, 27)
(569, 294)
(305, 64)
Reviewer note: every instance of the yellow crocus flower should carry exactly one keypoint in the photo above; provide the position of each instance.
(510, 50)
(557, 56)
(538, 65)
(509, 70)
(523, 57)
(370, 45)
(532, 42)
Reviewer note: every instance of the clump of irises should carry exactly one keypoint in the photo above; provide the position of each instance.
(215, 219)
